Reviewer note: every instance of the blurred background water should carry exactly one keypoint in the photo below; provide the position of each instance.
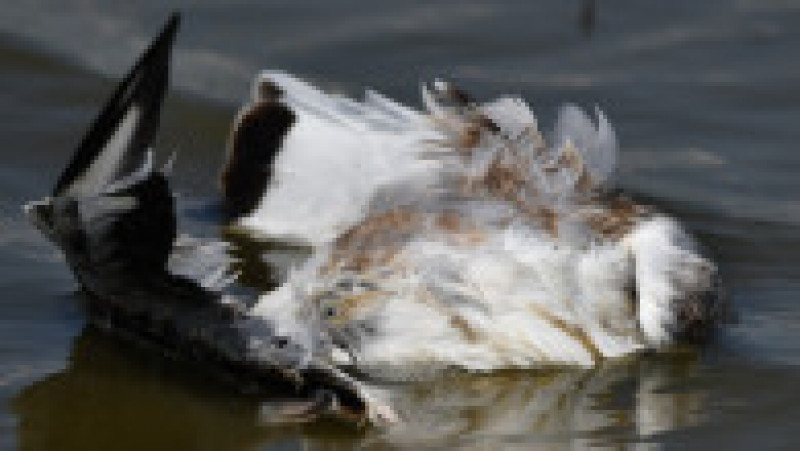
(705, 97)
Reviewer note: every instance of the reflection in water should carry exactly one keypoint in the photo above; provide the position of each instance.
(114, 397)
(618, 401)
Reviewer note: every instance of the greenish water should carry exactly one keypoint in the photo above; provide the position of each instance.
(706, 102)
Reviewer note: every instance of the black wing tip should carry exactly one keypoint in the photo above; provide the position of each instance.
(168, 32)
(152, 64)
(174, 21)
(160, 48)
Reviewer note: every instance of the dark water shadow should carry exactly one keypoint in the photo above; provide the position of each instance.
(115, 396)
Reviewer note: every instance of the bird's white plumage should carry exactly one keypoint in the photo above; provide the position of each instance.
(333, 159)
(504, 250)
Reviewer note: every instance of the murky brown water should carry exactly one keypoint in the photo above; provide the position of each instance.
(704, 96)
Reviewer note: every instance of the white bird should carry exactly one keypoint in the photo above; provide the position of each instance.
(460, 237)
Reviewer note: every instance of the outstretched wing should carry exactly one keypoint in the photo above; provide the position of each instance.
(113, 215)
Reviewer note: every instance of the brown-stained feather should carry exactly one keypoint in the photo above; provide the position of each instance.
(616, 219)
(577, 333)
(465, 329)
(376, 240)
(458, 229)
(469, 138)
(347, 306)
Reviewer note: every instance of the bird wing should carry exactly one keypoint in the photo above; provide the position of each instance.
(119, 138)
